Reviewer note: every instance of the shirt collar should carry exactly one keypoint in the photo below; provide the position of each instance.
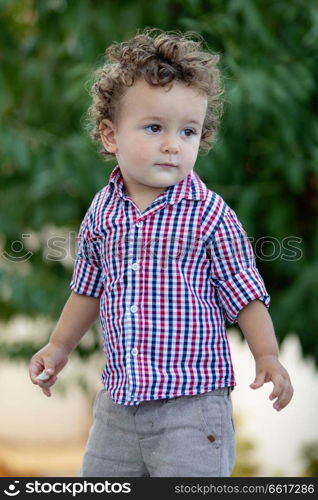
(189, 188)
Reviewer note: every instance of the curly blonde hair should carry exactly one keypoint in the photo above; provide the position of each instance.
(158, 57)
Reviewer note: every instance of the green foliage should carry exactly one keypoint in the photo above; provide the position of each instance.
(309, 454)
(264, 163)
(245, 463)
(17, 350)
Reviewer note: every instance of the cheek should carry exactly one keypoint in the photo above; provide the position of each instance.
(192, 151)
(142, 151)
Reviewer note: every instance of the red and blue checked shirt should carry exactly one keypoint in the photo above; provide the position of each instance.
(168, 279)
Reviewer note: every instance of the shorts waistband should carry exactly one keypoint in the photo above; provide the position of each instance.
(218, 392)
(224, 391)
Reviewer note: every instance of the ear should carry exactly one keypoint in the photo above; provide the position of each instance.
(107, 134)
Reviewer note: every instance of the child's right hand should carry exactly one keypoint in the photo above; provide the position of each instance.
(50, 358)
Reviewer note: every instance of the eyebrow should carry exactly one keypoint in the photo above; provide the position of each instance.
(161, 118)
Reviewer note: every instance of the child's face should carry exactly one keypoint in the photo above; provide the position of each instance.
(155, 128)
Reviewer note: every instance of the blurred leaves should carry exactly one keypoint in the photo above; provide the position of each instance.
(17, 350)
(264, 164)
(309, 454)
(246, 464)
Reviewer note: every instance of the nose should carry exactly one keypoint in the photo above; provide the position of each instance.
(170, 144)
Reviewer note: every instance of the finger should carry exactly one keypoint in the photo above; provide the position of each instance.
(283, 399)
(47, 373)
(47, 383)
(280, 394)
(47, 392)
(49, 366)
(278, 387)
(36, 367)
(278, 404)
(259, 380)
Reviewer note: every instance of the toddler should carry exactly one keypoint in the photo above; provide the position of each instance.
(164, 262)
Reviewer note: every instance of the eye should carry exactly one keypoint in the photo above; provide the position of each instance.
(153, 128)
(189, 131)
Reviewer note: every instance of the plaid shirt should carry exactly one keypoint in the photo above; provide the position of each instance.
(168, 279)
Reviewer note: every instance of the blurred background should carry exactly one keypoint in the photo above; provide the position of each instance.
(264, 164)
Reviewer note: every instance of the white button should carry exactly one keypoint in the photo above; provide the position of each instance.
(135, 266)
(134, 309)
(139, 224)
(134, 351)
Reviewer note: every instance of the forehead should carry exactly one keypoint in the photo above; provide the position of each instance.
(176, 101)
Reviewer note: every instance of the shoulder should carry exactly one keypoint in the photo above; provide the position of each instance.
(97, 208)
(100, 198)
(214, 211)
(212, 204)
(218, 216)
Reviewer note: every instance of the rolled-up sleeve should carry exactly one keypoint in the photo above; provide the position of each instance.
(234, 272)
(87, 273)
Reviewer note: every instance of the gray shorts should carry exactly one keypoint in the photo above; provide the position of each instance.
(187, 436)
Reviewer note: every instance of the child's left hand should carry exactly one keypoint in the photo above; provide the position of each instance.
(269, 369)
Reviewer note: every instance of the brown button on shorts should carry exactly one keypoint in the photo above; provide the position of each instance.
(187, 436)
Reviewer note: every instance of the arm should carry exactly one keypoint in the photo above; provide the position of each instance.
(79, 312)
(257, 327)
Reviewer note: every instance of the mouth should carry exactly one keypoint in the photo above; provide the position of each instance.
(168, 165)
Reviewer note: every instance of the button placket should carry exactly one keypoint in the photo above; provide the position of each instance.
(133, 352)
